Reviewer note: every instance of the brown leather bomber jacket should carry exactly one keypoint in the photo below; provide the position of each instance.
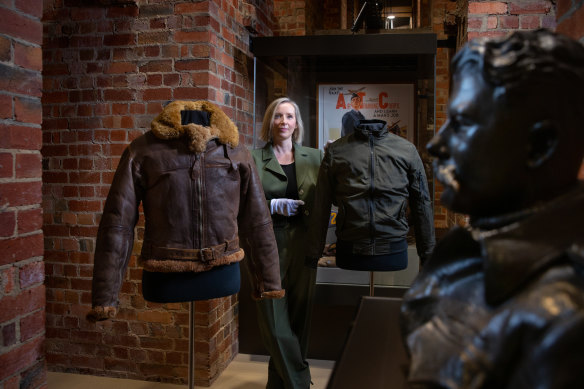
(201, 196)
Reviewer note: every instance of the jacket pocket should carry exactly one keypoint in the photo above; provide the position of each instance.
(220, 170)
(402, 209)
(157, 175)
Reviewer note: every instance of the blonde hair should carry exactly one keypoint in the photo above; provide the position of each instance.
(266, 133)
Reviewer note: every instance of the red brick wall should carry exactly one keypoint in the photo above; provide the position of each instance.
(290, 17)
(259, 15)
(22, 293)
(107, 73)
(570, 15)
(331, 15)
(440, 10)
(497, 18)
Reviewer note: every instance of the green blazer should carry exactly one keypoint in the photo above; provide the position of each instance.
(274, 181)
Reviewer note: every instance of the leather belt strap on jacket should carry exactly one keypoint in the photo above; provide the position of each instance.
(206, 254)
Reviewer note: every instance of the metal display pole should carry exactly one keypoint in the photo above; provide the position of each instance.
(192, 345)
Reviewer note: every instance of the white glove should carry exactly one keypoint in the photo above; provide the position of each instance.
(326, 145)
(286, 207)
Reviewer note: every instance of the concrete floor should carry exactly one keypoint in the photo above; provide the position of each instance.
(244, 372)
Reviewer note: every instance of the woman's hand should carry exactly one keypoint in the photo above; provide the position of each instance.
(285, 207)
(326, 145)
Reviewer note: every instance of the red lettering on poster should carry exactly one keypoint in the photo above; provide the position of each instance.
(341, 101)
(382, 104)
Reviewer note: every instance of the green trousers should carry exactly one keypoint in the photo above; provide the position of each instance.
(285, 323)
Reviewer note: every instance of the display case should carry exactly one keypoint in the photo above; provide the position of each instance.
(394, 73)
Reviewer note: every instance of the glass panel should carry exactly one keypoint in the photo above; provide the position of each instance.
(299, 77)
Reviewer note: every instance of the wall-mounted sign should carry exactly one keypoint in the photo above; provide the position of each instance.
(393, 103)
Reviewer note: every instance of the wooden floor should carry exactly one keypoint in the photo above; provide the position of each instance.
(244, 372)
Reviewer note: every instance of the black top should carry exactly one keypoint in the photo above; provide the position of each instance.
(292, 188)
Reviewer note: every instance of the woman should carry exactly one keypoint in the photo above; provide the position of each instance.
(288, 173)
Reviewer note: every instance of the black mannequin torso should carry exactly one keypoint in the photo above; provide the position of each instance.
(220, 281)
(171, 287)
(396, 260)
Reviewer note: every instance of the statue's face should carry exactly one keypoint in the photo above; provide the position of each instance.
(481, 149)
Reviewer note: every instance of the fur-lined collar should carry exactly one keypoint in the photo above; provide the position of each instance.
(168, 125)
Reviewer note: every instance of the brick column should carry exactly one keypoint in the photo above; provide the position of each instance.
(22, 293)
(441, 11)
(108, 71)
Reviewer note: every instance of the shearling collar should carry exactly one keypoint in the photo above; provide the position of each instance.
(167, 125)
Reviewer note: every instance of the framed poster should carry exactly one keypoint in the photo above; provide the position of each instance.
(393, 103)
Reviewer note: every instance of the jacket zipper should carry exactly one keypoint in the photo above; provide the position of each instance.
(371, 188)
(193, 196)
(197, 200)
(200, 193)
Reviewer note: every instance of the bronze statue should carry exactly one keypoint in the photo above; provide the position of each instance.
(500, 304)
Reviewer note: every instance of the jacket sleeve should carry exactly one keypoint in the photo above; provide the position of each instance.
(115, 239)
(322, 209)
(421, 208)
(256, 156)
(256, 234)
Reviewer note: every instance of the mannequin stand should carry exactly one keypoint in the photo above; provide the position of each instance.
(394, 261)
(218, 282)
(191, 345)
